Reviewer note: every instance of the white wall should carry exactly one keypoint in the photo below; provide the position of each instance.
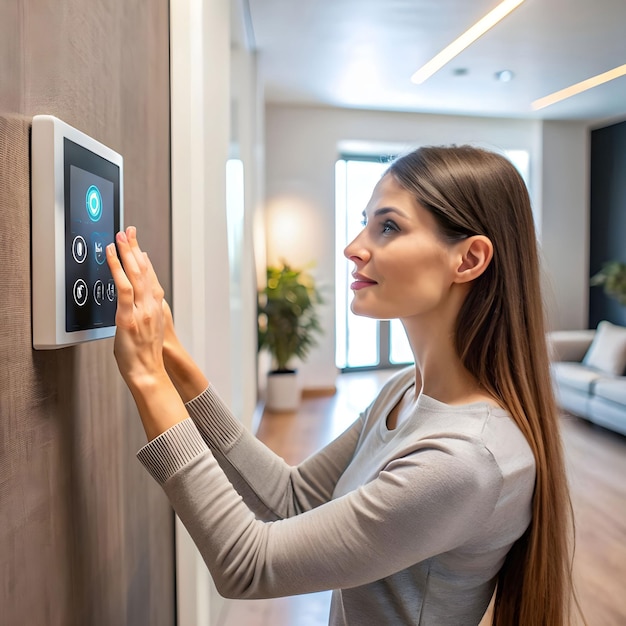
(199, 33)
(302, 145)
(219, 333)
(565, 223)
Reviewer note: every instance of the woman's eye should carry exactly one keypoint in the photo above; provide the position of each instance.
(390, 226)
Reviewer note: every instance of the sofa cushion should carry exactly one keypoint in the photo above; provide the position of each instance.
(575, 375)
(607, 352)
(569, 345)
(612, 389)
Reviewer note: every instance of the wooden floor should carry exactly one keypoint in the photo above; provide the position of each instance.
(596, 461)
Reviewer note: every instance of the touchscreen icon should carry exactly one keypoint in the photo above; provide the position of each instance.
(111, 290)
(98, 249)
(98, 292)
(80, 292)
(93, 201)
(79, 249)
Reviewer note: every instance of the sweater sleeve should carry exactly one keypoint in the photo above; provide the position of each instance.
(422, 504)
(269, 486)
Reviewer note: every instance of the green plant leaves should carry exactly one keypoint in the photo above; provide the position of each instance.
(287, 315)
(612, 277)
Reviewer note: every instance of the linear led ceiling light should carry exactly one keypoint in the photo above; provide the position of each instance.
(466, 39)
(574, 90)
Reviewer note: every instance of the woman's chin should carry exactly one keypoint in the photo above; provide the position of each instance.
(355, 308)
(358, 308)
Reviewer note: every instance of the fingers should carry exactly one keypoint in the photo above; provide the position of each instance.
(133, 244)
(128, 275)
(125, 293)
(157, 290)
(135, 271)
(132, 260)
(144, 264)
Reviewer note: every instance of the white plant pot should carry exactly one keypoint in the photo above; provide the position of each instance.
(283, 394)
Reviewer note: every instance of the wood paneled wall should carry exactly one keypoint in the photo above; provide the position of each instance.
(86, 537)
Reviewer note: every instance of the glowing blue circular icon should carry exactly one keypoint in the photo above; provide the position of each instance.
(94, 203)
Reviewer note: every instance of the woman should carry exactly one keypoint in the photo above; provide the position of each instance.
(449, 485)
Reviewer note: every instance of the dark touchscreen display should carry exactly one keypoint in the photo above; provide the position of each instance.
(92, 217)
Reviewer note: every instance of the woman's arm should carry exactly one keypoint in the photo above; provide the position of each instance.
(183, 371)
(270, 487)
(424, 503)
(157, 369)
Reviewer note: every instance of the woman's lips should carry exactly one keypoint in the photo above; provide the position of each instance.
(361, 282)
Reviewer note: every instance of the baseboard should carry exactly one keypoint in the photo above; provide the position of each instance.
(319, 392)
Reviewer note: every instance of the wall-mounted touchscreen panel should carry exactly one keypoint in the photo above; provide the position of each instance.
(91, 196)
(77, 209)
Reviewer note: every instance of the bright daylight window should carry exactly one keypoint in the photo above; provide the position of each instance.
(235, 231)
(363, 342)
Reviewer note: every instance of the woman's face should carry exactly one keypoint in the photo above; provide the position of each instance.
(403, 267)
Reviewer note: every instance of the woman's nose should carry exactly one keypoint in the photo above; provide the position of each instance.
(355, 251)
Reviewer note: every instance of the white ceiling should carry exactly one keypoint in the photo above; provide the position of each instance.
(362, 53)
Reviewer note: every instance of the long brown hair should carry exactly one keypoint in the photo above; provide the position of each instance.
(500, 337)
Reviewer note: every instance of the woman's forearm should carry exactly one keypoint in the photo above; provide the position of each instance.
(159, 404)
(186, 376)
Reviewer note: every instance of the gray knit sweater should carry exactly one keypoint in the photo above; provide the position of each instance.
(408, 526)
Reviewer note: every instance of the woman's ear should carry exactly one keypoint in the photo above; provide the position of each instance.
(476, 254)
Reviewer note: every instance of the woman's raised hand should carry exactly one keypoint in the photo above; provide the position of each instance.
(141, 323)
(140, 317)
(146, 347)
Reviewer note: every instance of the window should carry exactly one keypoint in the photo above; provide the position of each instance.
(362, 342)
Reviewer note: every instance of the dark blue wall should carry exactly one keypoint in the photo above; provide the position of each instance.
(608, 215)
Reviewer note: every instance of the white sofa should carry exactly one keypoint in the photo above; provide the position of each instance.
(588, 373)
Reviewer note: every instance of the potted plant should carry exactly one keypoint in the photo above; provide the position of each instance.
(612, 277)
(287, 325)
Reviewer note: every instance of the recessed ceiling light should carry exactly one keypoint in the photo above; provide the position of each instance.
(504, 76)
(574, 90)
(466, 39)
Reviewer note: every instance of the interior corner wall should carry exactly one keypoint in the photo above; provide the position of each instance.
(86, 536)
(608, 216)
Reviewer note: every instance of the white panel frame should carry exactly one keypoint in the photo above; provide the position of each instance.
(48, 230)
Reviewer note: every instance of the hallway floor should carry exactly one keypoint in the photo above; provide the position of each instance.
(596, 460)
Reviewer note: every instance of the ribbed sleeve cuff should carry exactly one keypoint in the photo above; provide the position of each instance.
(219, 428)
(172, 450)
